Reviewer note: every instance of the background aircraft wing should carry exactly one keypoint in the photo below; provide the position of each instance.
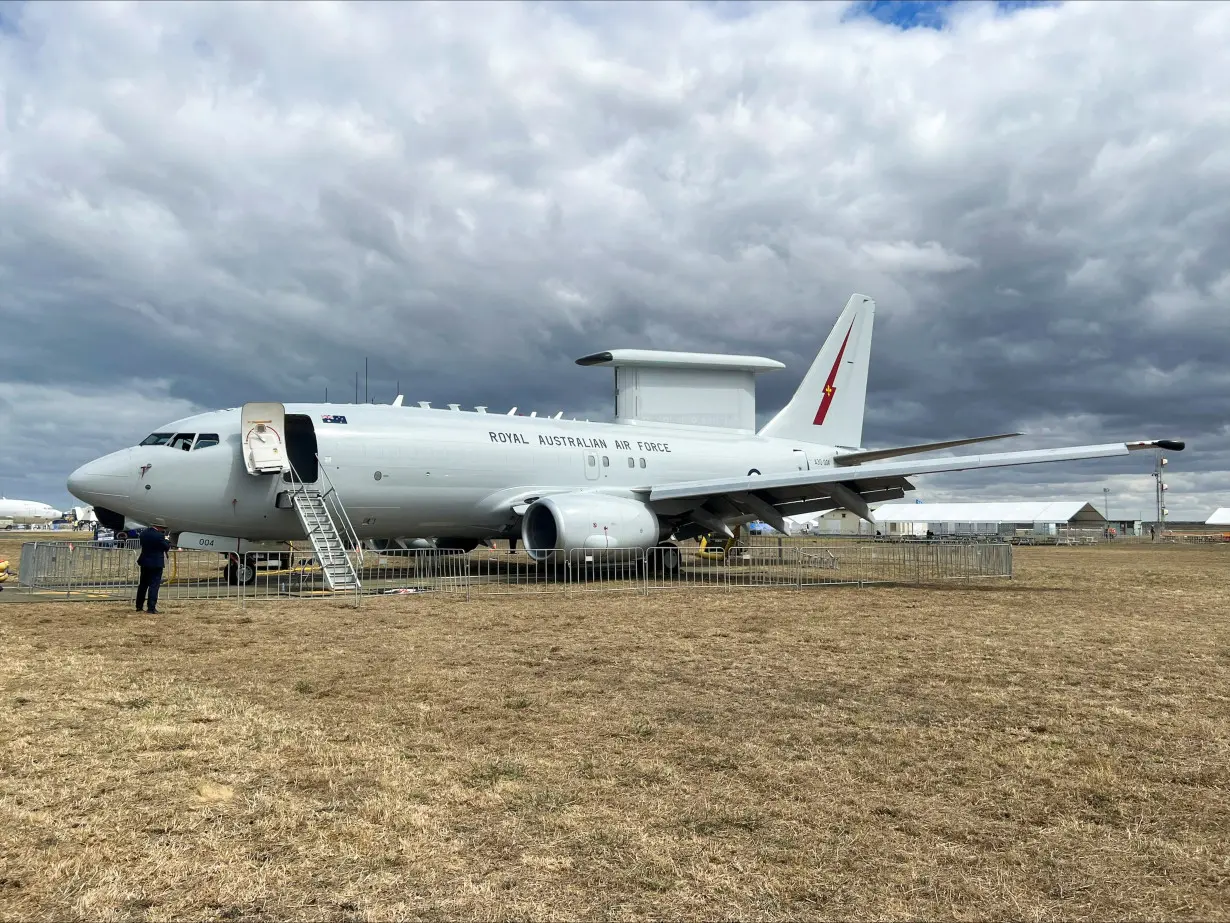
(770, 498)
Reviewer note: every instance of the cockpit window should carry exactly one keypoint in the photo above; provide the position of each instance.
(205, 440)
(157, 439)
(183, 441)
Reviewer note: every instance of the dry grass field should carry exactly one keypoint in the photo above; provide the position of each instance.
(1054, 747)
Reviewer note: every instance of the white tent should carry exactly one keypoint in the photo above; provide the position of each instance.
(803, 522)
(1220, 517)
(1045, 517)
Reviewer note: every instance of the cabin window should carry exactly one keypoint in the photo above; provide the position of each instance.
(642, 463)
(183, 441)
(631, 462)
(157, 439)
(606, 462)
(205, 440)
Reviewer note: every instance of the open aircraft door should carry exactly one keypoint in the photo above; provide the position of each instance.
(264, 437)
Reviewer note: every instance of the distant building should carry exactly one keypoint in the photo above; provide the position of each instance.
(1036, 518)
(837, 522)
(1220, 517)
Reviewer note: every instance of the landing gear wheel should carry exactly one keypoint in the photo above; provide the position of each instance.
(664, 559)
(244, 573)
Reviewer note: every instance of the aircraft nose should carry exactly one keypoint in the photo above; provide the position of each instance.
(102, 480)
(78, 482)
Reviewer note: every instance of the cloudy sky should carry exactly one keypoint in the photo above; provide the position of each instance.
(204, 204)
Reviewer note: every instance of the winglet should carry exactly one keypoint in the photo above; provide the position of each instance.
(1170, 445)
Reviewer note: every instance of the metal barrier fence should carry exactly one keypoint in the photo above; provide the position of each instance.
(88, 570)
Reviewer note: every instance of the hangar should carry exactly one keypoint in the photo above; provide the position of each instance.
(1053, 519)
(1220, 517)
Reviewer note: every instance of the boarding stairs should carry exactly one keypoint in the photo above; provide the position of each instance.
(328, 541)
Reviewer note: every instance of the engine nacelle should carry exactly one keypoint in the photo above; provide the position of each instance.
(557, 525)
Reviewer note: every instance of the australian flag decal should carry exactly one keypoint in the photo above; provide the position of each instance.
(332, 418)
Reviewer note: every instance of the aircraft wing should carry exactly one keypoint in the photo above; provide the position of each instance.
(771, 498)
(858, 458)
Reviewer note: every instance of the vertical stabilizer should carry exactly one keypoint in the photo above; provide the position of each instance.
(828, 406)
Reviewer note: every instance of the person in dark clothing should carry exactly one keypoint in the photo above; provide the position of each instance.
(154, 547)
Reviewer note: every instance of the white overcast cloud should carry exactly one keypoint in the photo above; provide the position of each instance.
(207, 203)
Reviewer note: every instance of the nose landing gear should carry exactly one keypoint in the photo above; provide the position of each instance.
(241, 572)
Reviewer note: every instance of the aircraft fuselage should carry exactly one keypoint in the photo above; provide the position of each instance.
(27, 512)
(415, 472)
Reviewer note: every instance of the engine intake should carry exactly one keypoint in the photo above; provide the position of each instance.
(560, 524)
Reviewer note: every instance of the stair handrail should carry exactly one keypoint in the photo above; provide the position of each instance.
(300, 487)
(297, 486)
(351, 533)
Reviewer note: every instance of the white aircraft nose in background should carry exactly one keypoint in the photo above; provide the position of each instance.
(27, 511)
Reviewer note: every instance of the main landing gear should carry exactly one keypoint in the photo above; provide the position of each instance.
(662, 560)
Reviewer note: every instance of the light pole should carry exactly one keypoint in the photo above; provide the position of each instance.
(1159, 490)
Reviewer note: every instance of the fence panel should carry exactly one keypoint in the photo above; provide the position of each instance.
(104, 571)
(608, 570)
(401, 572)
(762, 566)
(494, 574)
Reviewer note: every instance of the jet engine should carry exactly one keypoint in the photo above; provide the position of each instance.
(562, 523)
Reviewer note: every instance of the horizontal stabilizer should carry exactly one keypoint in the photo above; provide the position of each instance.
(857, 458)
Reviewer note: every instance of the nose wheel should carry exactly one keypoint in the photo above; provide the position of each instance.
(241, 572)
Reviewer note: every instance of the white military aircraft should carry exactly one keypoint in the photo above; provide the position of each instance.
(661, 473)
(28, 512)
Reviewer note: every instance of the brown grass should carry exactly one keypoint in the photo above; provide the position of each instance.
(1053, 747)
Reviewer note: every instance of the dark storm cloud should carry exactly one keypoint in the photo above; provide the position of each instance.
(207, 204)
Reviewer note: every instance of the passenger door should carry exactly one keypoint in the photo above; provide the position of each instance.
(263, 432)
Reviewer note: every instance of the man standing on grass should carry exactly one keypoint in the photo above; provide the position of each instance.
(154, 547)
